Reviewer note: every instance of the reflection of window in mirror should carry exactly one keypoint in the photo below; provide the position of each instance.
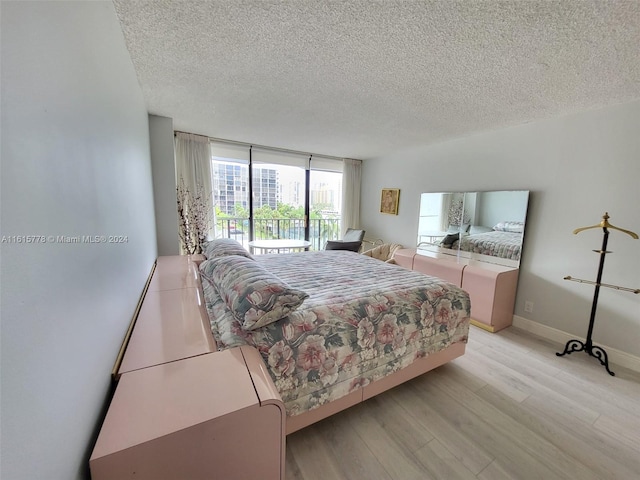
(434, 218)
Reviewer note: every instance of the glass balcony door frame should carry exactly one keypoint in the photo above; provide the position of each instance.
(253, 156)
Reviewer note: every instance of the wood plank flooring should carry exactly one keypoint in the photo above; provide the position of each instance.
(508, 409)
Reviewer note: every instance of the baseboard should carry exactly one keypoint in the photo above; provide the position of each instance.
(617, 357)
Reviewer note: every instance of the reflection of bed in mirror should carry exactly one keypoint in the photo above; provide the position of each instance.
(473, 239)
(494, 243)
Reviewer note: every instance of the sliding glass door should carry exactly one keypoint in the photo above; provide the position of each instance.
(325, 204)
(262, 193)
(279, 193)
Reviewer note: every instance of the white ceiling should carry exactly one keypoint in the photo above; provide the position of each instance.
(362, 78)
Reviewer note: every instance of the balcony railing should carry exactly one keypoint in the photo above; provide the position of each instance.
(320, 230)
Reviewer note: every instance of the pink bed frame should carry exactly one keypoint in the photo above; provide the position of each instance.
(182, 409)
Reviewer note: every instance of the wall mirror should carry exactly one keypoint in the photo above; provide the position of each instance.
(484, 226)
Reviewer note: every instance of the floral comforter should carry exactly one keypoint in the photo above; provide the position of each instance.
(364, 319)
(497, 244)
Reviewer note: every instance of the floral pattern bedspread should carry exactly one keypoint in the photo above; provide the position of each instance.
(364, 319)
(497, 244)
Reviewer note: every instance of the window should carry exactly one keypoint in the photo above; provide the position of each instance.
(325, 201)
(264, 193)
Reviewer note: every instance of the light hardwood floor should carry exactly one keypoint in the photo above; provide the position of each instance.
(508, 409)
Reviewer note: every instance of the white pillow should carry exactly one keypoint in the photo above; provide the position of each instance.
(514, 227)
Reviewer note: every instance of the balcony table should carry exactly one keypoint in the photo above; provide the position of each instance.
(278, 245)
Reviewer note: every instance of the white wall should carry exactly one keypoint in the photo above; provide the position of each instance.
(75, 161)
(577, 167)
(164, 184)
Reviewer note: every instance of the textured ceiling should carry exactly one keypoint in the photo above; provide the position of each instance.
(361, 78)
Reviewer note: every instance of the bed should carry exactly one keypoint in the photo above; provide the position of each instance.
(231, 355)
(360, 321)
(497, 244)
(504, 240)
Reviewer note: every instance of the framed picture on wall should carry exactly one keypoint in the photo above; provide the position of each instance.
(389, 201)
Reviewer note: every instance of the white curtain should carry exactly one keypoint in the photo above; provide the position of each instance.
(351, 179)
(193, 168)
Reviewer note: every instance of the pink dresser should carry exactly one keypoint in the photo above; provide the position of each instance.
(198, 418)
(404, 257)
(172, 323)
(436, 266)
(181, 409)
(491, 287)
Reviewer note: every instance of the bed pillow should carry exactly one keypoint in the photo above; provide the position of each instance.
(450, 239)
(221, 247)
(255, 296)
(476, 229)
(514, 227)
(340, 245)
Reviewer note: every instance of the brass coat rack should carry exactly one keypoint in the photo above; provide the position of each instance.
(576, 345)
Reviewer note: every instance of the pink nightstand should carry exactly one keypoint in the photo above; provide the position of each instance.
(201, 417)
(173, 323)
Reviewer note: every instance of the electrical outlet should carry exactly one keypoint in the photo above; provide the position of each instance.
(528, 306)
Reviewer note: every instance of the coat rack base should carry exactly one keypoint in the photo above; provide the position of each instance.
(593, 351)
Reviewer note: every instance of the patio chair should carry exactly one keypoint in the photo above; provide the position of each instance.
(384, 252)
(352, 241)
